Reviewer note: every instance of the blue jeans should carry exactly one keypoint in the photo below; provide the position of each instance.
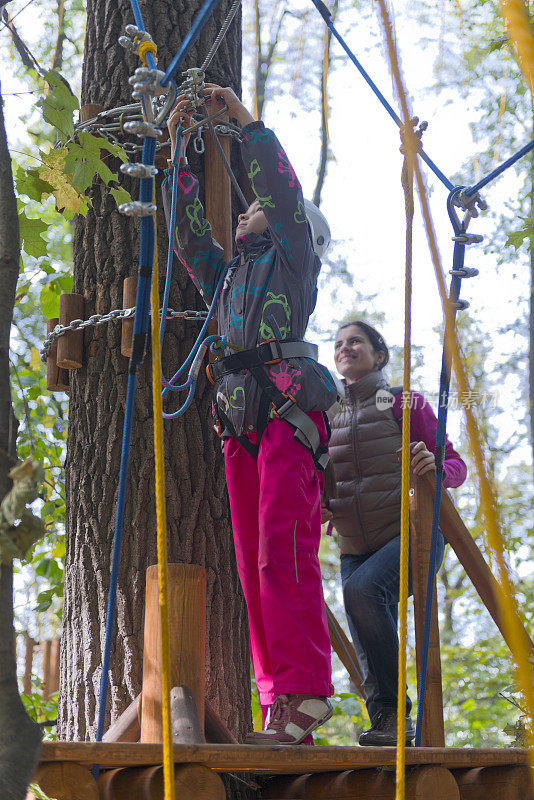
(371, 595)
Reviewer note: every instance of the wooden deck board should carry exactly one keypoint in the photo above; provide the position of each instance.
(275, 760)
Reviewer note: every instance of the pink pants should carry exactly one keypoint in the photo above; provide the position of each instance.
(276, 518)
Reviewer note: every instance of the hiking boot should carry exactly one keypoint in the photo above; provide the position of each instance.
(383, 730)
(291, 719)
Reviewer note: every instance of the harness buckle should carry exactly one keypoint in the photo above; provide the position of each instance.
(280, 411)
(275, 350)
(209, 374)
(218, 428)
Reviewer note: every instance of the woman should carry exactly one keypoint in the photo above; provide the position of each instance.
(365, 446)
(269, 397)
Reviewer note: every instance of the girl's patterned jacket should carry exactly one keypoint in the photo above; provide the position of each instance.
(270, 288)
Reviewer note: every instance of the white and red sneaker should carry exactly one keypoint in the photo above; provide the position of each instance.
(292, 719)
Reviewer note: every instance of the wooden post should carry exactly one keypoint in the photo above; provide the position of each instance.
(192, 782)
(129, 291)
(433, 733)
(70, 346)
(65, 781)
(57, 380)
(422, 783)
(494, 783)
(187, 624)
(46, 650)
(54, 666)
(29, 644)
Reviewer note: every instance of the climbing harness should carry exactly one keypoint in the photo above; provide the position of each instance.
(273, 401)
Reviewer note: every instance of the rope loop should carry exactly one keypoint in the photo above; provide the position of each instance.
(147, 47)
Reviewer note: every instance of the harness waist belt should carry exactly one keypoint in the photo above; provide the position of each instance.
(267, 353)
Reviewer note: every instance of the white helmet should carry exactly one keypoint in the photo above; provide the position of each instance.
(320, 228)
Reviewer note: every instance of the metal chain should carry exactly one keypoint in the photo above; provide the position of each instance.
(100, 319)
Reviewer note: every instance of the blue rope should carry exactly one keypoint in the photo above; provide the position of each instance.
(500, 169)
(325, 13)
(441, 432)
(190, 38)
(142, 303)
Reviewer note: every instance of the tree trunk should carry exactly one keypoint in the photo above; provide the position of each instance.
(531, 318)
(19, 736)
(199, 530)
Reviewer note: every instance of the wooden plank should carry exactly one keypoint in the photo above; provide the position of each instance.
(422, 783)
(57, 379)
(70, 346)
(187, 630)
(127, 727)
(219, 191)
(191, 782)
(421, 504)
(277, 759)
(344, 649)
(54, 665)
(470, 557)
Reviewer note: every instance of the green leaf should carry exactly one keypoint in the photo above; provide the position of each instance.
(120, 195)
(516, 238)
(28, 182)
(50, 295)
(31, 240)
(59, 104)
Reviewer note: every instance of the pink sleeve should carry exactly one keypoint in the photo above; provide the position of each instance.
(423, 425)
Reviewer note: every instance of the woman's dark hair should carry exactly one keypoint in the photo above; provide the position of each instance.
(376, 339)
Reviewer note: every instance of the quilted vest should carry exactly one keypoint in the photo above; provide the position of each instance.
(365, 438)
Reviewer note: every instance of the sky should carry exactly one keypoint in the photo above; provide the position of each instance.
(362, 196)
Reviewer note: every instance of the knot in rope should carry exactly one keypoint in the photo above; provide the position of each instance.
(412, 134)
(147, 47)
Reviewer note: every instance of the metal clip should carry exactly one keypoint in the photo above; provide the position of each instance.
(468, 238)
(459, 305)
(198, 142)
(464, 272)
(139, 170)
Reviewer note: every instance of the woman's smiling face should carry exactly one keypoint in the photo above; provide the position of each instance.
(252, 221)
(354, 354)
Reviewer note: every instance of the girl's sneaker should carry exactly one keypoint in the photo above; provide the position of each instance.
(292, 719)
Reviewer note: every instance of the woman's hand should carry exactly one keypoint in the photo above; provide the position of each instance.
(422, 459)
(179, 116)
(215, 96)
(326, 514)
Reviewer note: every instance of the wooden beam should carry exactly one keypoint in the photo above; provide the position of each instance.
(29, 644)
(66, 781)
(344, 649)
(70, 346)
(215, 730)
(54, 665)
(187, 629)
(494, 783)
(422, 783)
(127, 727)
(277, 759)
(192, 782)
(46, 648)
(470, 557)
(421, 503)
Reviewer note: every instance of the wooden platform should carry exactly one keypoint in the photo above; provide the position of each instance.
(276, 760)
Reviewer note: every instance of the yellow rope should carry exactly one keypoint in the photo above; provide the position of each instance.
(168, 756)
(147, 47)
(519, 30)
(326, 66)
(520, 645)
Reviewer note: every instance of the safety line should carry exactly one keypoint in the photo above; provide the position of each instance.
(500, 169)
(220, 36)
(325, 13)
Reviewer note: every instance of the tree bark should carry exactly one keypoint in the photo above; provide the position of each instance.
(531, 317)
(199, 530)
(20, 737)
